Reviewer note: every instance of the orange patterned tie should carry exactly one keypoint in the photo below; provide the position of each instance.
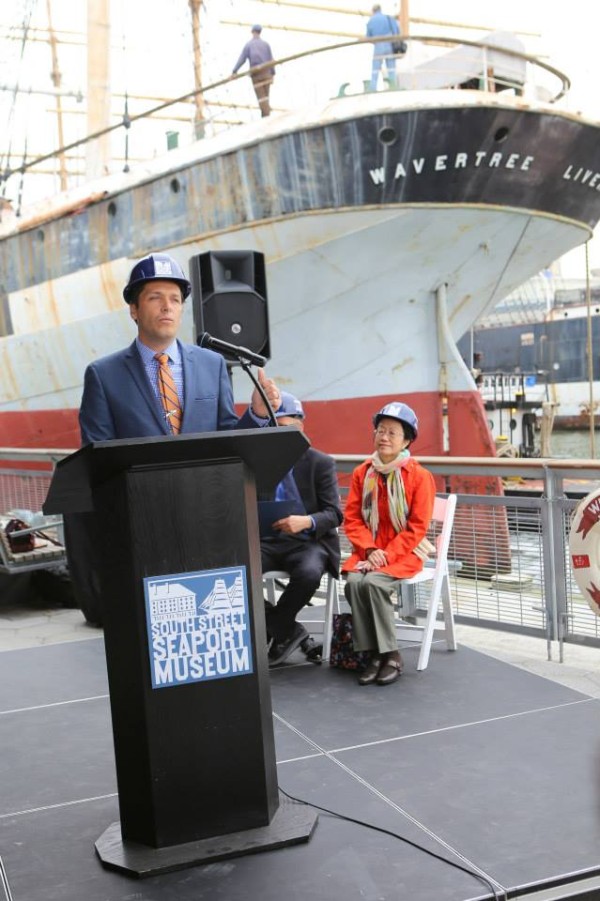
(168, 393)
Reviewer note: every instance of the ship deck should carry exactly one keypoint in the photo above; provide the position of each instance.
(474, 760)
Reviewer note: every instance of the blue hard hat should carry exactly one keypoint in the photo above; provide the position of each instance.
(290, 406)
(156, 267)
(257, 28)
(402, 412)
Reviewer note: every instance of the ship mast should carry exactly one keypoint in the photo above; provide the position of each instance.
(404, 18)
(97, 152)
(56, 81)
(198, 97)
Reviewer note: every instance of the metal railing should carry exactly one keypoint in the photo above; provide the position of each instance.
(509, 550)
(315, 75)
(25, 477)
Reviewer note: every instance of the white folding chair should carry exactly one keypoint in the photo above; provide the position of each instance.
(439, 576)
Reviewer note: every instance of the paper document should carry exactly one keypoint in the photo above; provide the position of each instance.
(270, 511)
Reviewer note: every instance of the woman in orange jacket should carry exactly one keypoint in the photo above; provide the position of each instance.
(389, 507)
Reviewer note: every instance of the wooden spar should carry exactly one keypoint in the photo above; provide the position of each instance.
(199, 115)
(98, 91)
(56, 80)
(404, 18)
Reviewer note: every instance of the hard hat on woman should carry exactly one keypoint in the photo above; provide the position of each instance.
(403, 413)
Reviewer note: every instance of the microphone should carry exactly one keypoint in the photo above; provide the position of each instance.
(206, 340)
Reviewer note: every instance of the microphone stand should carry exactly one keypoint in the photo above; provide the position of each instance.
(246, 367)
(245, 363)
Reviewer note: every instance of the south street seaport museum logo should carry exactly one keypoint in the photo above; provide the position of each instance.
(198, 626)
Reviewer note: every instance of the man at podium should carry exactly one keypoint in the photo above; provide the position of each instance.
(156, 386)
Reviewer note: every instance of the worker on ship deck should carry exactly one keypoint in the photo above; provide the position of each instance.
(378, 26)
(257, 53)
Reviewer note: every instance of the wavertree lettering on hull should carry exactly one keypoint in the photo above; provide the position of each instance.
(445, 162)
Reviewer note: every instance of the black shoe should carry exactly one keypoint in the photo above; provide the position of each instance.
(313, 651)
(281, 650)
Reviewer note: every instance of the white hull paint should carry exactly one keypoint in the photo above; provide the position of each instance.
(351, 300)
(369, 285)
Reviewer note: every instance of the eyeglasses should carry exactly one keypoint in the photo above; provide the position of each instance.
(391, 433)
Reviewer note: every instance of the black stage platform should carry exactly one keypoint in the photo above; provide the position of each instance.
(473, 759)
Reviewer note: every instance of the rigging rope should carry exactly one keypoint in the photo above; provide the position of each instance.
(22, 179)
(27, 16)
(126, 121)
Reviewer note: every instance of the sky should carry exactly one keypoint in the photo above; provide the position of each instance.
(151, 59)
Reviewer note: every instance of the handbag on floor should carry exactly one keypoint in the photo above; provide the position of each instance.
(342, 653)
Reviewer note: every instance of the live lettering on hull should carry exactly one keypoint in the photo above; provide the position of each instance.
(198, 626)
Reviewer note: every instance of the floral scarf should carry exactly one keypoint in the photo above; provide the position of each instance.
(397, 503)
(395, 491)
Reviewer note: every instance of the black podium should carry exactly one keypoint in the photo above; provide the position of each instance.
(184, 630)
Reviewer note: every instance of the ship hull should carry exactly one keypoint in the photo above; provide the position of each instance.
(389, 224)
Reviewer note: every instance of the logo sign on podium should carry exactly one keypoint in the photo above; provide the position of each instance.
(198, 626)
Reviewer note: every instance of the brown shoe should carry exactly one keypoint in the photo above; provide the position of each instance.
(389, 672)
(372, 671)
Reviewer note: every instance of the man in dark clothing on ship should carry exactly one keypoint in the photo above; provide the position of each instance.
(257, 52)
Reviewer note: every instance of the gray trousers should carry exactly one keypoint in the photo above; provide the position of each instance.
(373, 624)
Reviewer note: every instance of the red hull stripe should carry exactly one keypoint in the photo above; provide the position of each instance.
(40, 428)
(341, 426)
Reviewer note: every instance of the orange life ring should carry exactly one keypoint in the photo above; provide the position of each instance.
(584, 548)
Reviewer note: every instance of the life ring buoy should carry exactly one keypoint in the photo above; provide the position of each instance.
(584, 548)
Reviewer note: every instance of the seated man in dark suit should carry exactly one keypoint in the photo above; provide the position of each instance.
(306, 545)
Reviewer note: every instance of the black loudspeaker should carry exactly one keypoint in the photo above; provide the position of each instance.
(229, 297)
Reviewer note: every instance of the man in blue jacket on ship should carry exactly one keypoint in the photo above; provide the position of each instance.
(379, 26)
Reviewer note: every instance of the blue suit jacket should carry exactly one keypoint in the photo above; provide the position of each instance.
(118, 401)
(316, 477)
